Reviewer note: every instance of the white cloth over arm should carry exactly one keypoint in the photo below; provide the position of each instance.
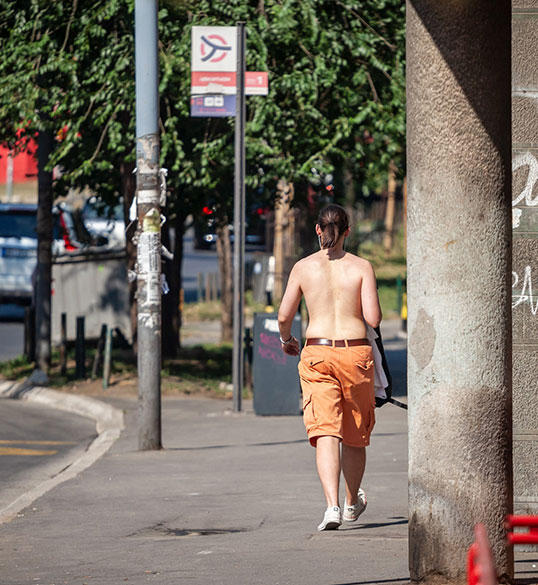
(380, 380)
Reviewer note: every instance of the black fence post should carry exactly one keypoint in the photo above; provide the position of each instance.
(80, 350)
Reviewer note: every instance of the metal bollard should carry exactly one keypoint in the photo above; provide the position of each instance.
(207, 287)
(106, 365)
(98, 358)
(63, 344)
(80, 350)
(214, 295)
(29, 333)
(200, 292)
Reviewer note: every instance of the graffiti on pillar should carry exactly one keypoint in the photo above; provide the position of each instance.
(526, 159)
(526, 290)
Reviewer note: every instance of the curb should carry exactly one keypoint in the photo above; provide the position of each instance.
(108, 423)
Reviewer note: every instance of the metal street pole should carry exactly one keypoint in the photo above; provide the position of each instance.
(149, 226)
(239, 222)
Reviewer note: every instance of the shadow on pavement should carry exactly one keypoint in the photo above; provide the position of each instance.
(235, 445)
(375, 582)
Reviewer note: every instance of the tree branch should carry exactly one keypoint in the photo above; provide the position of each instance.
(105, 129)
(372, 86)
(392, 47)
(69, 23)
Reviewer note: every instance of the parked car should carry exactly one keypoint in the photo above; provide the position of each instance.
(105, 221)
(18, 252)
(18, 245)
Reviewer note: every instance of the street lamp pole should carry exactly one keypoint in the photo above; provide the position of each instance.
(149, 226)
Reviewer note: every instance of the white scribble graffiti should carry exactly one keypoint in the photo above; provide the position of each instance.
(526, 291)
(516, 217)
(530, 160)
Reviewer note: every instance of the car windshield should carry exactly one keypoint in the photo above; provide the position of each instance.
(18, 225)
(99, 210)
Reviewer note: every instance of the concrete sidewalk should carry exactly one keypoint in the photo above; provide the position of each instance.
(232, 499)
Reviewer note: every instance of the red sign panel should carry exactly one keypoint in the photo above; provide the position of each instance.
(213, 82)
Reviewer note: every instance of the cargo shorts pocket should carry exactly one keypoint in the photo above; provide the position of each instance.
(316, 364)
(371, 419)
(309, 367)
(309, 416)
(365, 363)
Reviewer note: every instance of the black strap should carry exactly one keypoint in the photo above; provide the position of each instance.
(379, 342)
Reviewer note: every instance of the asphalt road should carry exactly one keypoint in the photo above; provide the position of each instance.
(36, 443)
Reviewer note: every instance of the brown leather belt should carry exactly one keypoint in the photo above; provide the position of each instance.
(336, 342)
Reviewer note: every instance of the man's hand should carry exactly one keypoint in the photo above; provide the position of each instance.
(291, 347)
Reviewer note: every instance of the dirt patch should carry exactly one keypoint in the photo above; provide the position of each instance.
(127, 386)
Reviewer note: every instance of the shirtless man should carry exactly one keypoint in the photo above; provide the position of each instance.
(336, 367)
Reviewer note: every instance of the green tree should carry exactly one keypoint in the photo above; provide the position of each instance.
(336, 96)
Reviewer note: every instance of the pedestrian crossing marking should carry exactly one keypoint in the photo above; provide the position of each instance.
(19, 451)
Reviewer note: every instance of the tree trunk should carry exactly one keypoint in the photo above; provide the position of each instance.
(173, 240)
(224, 254)
(282, 206)
(350, 199)
(127, 191)
(390, 210)
(44, 253)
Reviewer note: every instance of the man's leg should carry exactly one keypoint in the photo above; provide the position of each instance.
(328, 463)
(353, 464)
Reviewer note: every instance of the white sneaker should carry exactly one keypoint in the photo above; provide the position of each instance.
(351, 513)
(332, 519)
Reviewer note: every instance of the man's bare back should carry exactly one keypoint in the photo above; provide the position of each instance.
(340, 293)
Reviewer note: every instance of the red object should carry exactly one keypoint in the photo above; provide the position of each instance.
(530, 522)
(67, 240)
(256, 82)
(472, 572)
(480, 566)
(207, 210)
(24, 164)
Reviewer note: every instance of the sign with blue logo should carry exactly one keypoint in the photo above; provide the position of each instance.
(212, 106)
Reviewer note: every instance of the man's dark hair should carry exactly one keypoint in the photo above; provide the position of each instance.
(333, 221)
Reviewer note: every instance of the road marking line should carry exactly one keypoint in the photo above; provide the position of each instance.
(7, 442)
(15, 451)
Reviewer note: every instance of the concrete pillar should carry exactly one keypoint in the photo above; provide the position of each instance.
(525, 252)
(459, 266)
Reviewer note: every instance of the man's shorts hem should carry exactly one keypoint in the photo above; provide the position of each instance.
(314, 435)
(364, 443)
(313, 438)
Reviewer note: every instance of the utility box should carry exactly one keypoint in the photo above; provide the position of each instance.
(276, 386)
(90, 284)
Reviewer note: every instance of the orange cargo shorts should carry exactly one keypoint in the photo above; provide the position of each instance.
(338, 393)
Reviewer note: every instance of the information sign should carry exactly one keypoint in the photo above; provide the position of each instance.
(256, 82)
(214, 48)
(212, 106)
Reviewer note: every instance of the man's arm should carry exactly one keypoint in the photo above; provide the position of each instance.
(371, 311)
(286, 313)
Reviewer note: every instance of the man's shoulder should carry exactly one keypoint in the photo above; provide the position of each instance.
(359, 262)
(306, 261)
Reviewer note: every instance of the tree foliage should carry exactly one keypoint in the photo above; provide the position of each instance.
(336, 78)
